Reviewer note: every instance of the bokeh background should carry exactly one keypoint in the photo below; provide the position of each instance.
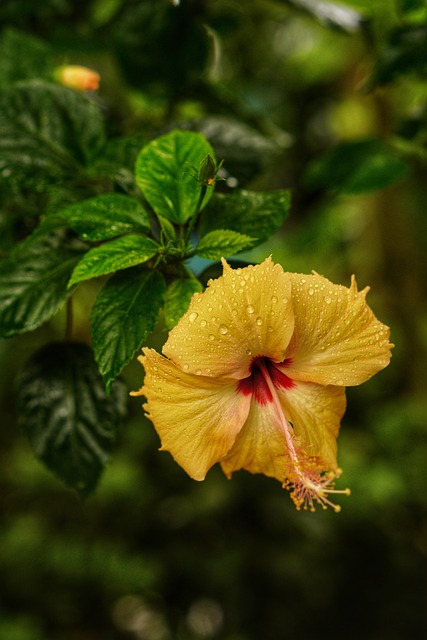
(153, 555)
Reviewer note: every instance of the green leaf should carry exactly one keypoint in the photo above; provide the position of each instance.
(124, 252)
(106, 216)
(356, 167)
(124, 313)
(33, 282)
(162, 174)
(167, 229)
(255, 214)
(23, 57)
(223, 242)
(332, 14)
(66, 414)
(47, 127)
(177, 299)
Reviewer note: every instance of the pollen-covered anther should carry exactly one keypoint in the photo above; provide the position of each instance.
(310, 487)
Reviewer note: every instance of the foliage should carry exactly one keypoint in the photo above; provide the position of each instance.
(212, 122)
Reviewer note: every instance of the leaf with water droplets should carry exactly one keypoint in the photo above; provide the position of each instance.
(163, 174)
(121, 253)
(177, 299)
(106, 216)
(33, 281)
(222, 243)
(124, 312)
(47, 127)
(66, 414)
(255, 214)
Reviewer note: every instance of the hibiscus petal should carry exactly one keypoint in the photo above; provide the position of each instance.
(197, 418)
(260, 447)
(315, 412)
(244, 313)
(337, 339)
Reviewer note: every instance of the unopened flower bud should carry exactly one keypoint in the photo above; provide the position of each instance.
(77, 77)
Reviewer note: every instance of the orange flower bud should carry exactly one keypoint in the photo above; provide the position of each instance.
(78, 77)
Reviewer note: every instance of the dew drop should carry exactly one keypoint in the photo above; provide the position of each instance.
(310, 291)
(192, 317)
(211, 336)
(223, 329)
(185, 366)
(203, 323)
(250, 309)
(198, 372)
(270, 329)
(259, 321)
(274, 299)
(328, 300)
(248, 352)
(285, 300)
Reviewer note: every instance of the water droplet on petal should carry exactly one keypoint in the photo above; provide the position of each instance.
(203, 323)
(328, 300)
(248, 352)
(259, 321)
(211, 336)
(223, 329)
(274, 299)
(185, 366)
(250, 309)
(192, 316)
(310, 291)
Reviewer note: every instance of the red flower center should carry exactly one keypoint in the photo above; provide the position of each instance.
(255, 384)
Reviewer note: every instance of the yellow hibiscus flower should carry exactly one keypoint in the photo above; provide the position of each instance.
(254, 374)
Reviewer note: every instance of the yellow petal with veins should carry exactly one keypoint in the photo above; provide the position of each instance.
(337, 339)
(197, 418)
(315, 412)
(260, 446)
(244, 313)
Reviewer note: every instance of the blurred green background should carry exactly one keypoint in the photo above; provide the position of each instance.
(154, 555)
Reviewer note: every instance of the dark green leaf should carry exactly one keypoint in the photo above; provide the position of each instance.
(256, 214)
(33, 282)
(162, 173)
(332, 14)
(106, 216)
(177, 299)
(223, 242)
(70, 421)
(121, 253)
(357, 167)
(49, 127)
(245, 150)
(124, 313)
(23, 57)
(118, 154)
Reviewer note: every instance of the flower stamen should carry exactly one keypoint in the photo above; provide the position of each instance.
(308, 483)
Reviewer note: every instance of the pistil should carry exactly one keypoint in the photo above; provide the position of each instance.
(307, 482)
